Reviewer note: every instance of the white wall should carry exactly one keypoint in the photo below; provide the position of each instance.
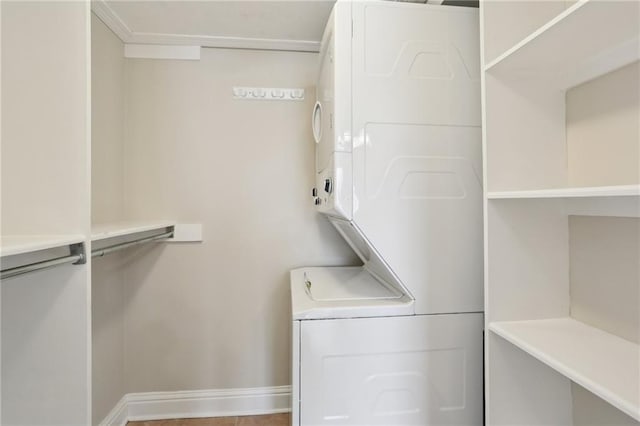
(589, 410)
(508, 22)
(216, 314)
(107, 123)
(605, 293)
(605, 276)
(605, 109)
(44, 118)
(107, 275)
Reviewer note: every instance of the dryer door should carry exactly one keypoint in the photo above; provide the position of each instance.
(331, 116)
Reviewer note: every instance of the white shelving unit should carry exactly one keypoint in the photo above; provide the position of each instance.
(11, 245)
(599, 361)
(561, 109)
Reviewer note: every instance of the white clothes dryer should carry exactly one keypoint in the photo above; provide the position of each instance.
(397, 341)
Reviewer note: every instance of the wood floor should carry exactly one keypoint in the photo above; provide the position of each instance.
(283, 419)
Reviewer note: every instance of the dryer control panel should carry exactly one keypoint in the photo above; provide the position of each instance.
(333, 193)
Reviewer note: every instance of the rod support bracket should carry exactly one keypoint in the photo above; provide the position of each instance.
(78, 250)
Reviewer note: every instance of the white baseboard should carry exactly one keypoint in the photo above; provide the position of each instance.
(118, 414)
(200, 403)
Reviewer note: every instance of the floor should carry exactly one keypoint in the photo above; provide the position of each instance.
(283, 419)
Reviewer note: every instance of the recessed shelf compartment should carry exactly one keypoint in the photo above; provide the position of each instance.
(576, 46)
(602, 363)
(11, 245)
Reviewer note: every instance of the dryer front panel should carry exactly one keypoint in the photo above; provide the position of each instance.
(323, 116)
(331, 116)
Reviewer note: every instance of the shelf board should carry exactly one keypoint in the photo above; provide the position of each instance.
(579, 192)
(124, 228)
(573, 47)
(603, 363)
(11, 245)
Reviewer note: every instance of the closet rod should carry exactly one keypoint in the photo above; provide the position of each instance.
(77, 258)
(104, 251)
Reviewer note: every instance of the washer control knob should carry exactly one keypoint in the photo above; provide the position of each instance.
(328, 186)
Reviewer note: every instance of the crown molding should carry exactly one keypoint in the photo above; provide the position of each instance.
(226, 42)
(120, 28)
(111, 20)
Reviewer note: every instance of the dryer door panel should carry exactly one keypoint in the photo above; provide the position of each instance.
(416, 370)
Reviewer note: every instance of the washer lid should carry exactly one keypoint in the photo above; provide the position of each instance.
(334, 284)
(344, 292)
(372, 260)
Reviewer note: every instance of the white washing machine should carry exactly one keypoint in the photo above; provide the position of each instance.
(397, 341)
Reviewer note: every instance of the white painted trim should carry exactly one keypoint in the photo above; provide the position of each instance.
(199, 403)
(111, 19)
(118, 416)
(120, 28)
(155, 51)
(227, 42)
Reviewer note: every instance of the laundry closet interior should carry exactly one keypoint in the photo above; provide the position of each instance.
(159, 181)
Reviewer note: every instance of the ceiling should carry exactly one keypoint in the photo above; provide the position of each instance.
(280, 25)
(249, 24)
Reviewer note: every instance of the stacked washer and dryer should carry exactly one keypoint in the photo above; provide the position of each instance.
(398, 340)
